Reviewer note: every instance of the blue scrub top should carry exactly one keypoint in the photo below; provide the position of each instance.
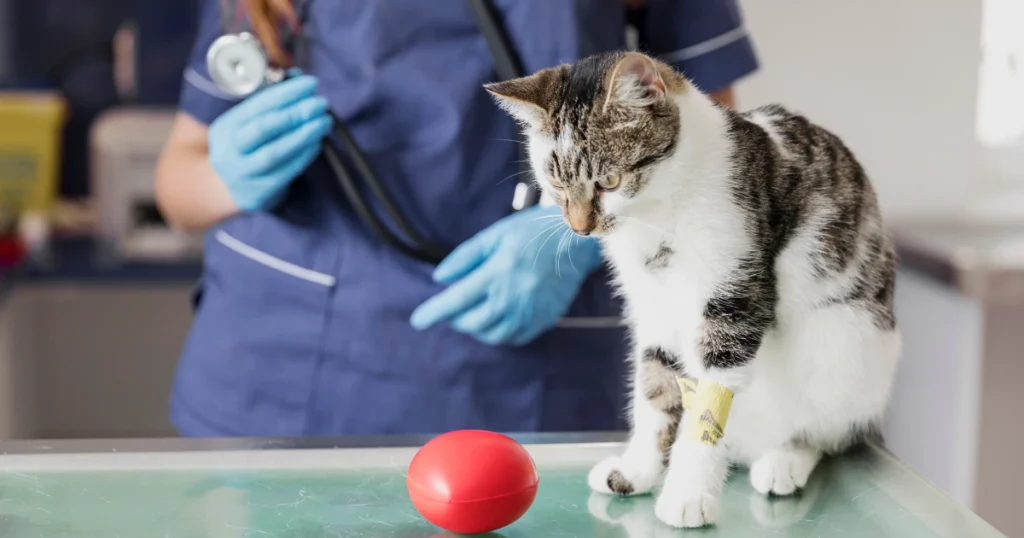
(303, 327)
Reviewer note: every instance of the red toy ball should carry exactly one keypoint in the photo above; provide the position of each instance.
(472, 481)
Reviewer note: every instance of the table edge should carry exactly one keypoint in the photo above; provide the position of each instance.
(183, 444)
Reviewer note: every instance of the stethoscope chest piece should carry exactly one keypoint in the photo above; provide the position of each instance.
(238, 64)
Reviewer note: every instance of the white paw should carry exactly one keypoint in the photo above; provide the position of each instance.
(617, 510)
(782, 472)
(779, 513)
(685, 509)
(599, 506)
(617, 476)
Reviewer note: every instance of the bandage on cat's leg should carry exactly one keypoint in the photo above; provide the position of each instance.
(693, 483)
(656, 413)
(709, 407)
(699, 461)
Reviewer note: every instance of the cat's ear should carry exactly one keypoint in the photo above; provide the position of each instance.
(635, 82)
(528, 99)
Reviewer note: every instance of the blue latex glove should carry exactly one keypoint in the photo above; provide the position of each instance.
(260, 145)
(512, 281)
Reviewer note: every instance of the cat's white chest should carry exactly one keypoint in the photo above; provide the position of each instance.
(667, 282)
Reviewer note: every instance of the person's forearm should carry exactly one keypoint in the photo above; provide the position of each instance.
(726, 96)
(189, 193)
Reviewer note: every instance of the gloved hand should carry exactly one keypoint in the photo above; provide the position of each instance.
(512, 281)
(261, 144)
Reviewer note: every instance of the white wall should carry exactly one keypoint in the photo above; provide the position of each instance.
(90, 361)
(932, 424)
(897, 79)
(17, 370)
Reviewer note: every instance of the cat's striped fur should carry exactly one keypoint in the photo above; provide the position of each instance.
(749, 250)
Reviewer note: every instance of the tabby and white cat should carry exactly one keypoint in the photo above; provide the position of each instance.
(749, 250)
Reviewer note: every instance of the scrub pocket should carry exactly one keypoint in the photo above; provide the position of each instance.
(257, 338)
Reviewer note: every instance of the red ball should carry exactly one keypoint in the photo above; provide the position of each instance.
(12, 251)
(472, 481)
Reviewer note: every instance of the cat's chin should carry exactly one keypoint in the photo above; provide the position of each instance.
(596, 233)
(599, 231)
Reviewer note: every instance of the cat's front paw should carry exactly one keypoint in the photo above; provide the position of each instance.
(779, 512)
(616, 476)
(782, 472)
(686, 508)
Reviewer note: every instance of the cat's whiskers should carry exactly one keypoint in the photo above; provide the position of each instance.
(540, 233)
(558, 255)
(568, 249)
(566, 243)
(519, 173)
(520, 142)
(541, 248)
(543, 217)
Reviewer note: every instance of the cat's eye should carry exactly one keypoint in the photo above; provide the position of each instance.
(608, 183)
(555, 185)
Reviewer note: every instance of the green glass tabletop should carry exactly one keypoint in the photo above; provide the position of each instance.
(360, 492)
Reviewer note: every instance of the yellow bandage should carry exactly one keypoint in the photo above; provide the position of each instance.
(707, 403)
(689, 388)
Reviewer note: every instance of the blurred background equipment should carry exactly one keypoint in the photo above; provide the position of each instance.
(97, 54)
(30, 143)
(125, 145)
(89, 336)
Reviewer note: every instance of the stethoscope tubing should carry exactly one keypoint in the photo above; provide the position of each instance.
(425, 250)
(507, 65)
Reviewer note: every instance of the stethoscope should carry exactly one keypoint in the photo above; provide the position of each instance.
(239, 66)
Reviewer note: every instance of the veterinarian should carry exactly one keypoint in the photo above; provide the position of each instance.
(306, 323)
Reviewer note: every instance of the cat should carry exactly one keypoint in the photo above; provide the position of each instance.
(749, 251)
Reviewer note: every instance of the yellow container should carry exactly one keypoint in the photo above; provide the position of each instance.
(30, 143)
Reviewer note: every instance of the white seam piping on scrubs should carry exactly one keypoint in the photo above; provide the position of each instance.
(705, 47)
(272, 262)
(205, 85)
(589, 323)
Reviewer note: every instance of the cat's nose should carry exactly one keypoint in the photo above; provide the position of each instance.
(581, 218)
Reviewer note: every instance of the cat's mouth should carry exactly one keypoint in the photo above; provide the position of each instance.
(584, 227)
(595, 226)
